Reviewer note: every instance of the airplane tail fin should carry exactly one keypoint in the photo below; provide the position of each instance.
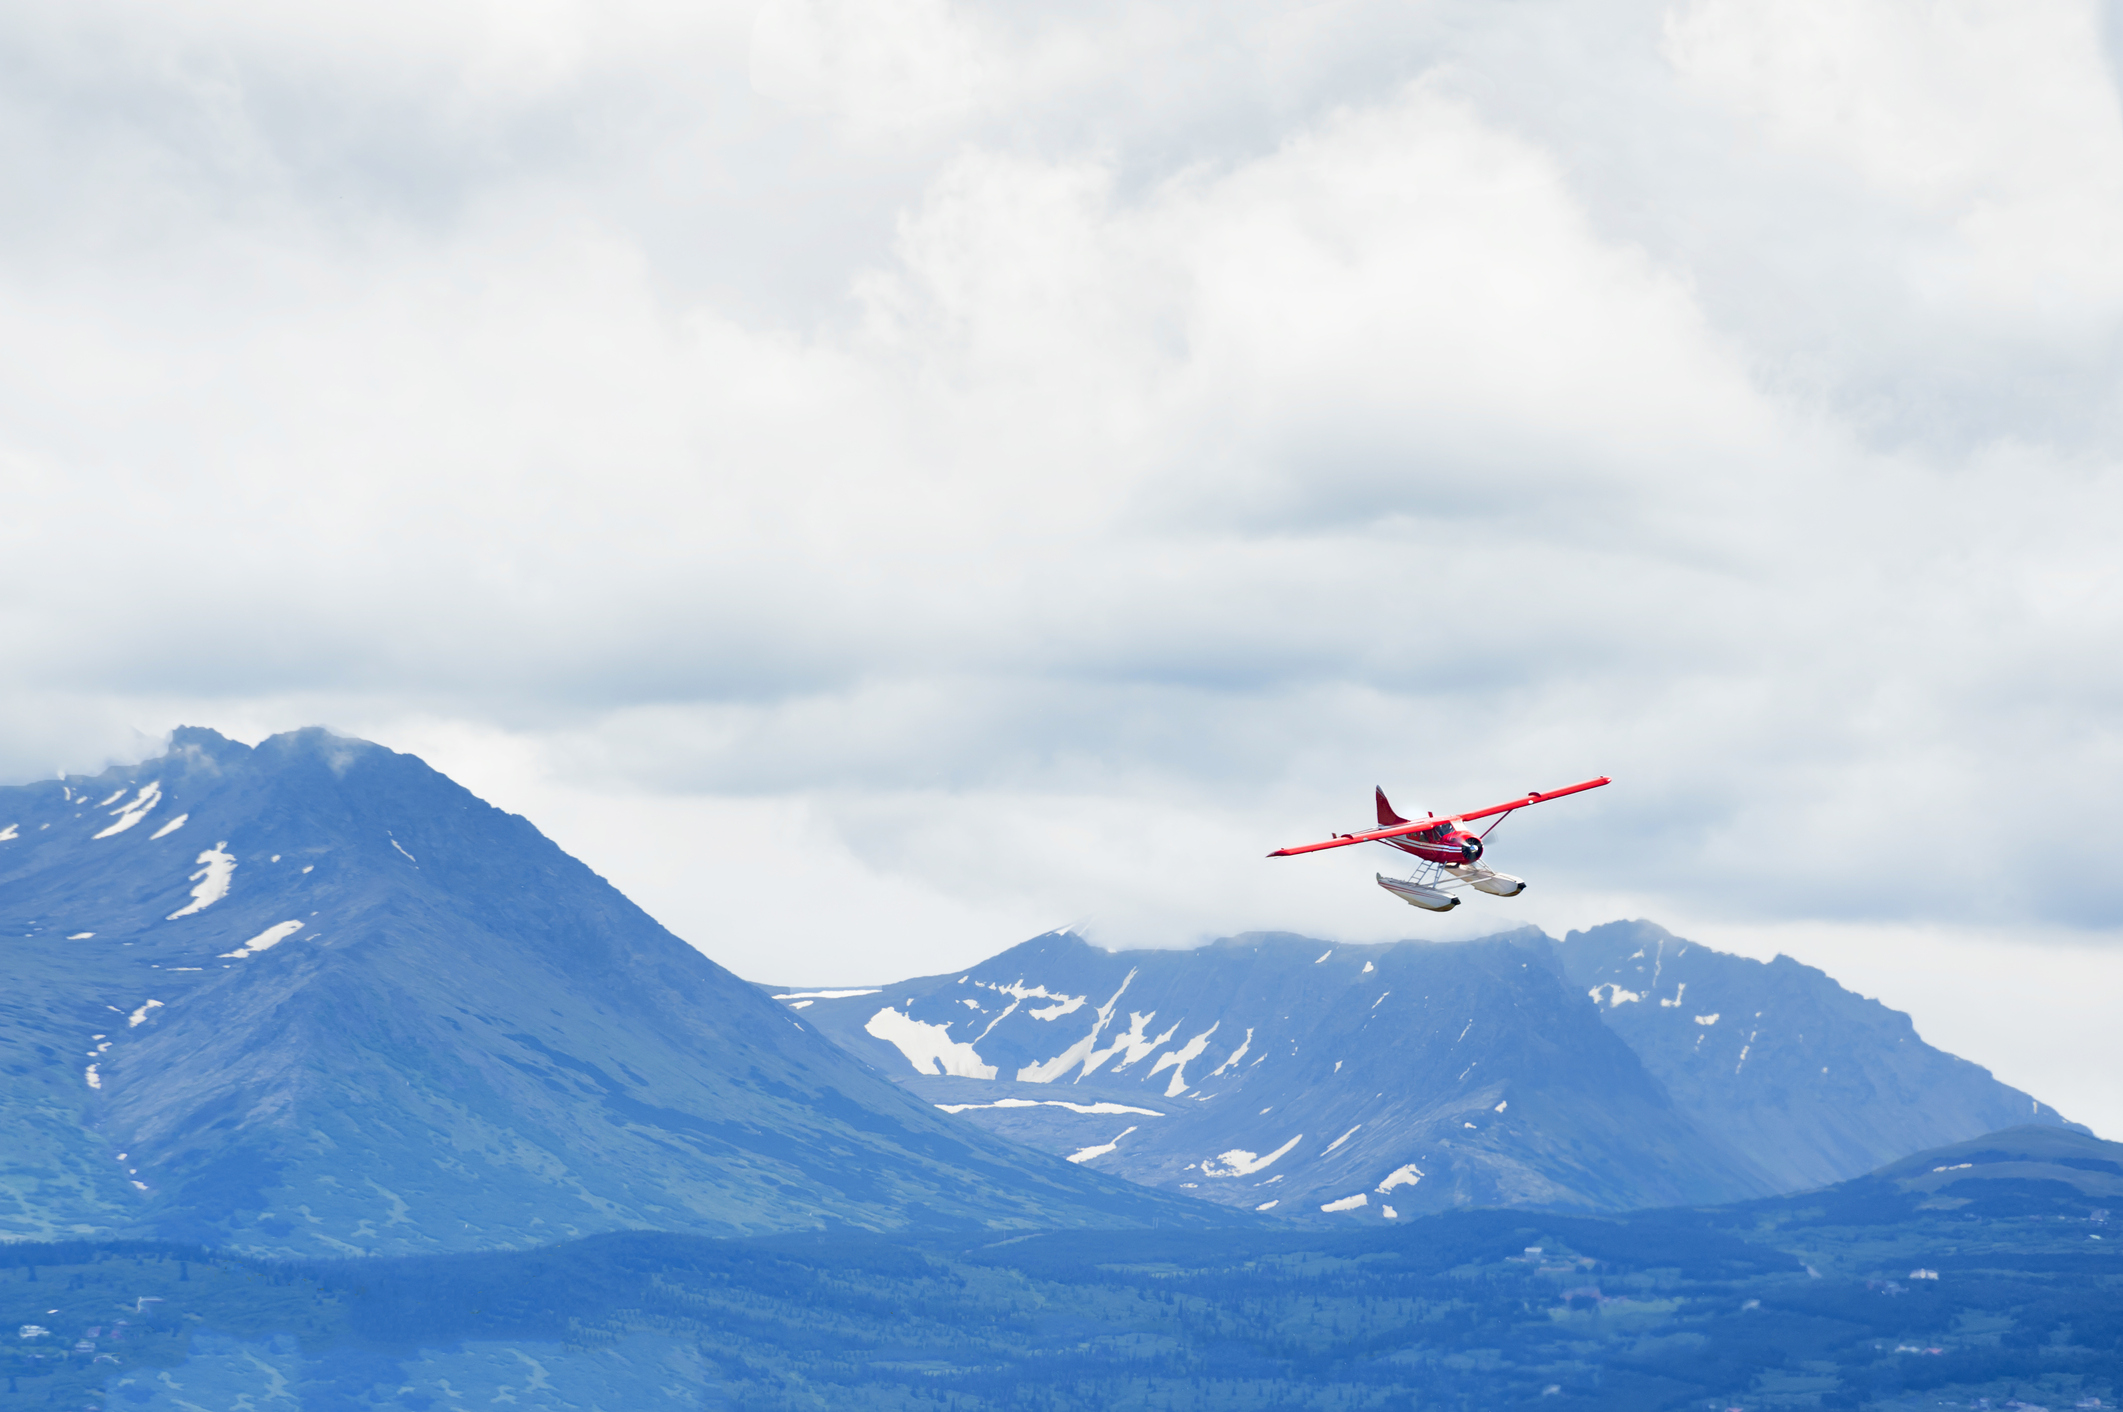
(1386, 817)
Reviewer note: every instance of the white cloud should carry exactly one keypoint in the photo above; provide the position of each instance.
(884, 69)
(945, 471)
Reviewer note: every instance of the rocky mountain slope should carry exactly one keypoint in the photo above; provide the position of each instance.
(1620, 1068)
(315, 998)
(1814, 1083)
(1280, 1074)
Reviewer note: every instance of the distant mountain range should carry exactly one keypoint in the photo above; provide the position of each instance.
(1813, 1083)
(314, 998)
(1620, 1068)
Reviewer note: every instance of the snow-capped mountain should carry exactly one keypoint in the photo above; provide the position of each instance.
(1279, 1074)
(315, 998)
(1371, 1082)
(1814, 1083)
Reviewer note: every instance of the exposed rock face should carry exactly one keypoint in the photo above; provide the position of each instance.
(1814, 1083)
(1346, 1081)
(1620, 1068)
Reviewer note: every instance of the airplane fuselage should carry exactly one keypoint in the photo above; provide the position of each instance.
(1447, 843)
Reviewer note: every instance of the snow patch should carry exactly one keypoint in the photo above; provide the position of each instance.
(1616, 996)
(1675, 1003)
(266, 940)
(169, 828)
(1324, 955)
(1063, 1004)
(115, 797)
(1502, 1106)
(1400, 1176)
(1240, 1163)
(211, 882)
(408, 857)
(802, 1004)
(80, 936)
(133, 1020)
(1049, 1070)
(1342, 1139)
(823, 994)
(8, 832)
(1180, 1058)
(1389, 1213)
(1706, 1019)
(1087, 1153)
(1269, 1205)
(95, 1080)
(1236, 1055)
(1347, 1203)
(929, 1048)
(1008, 1011)
(135, 810)
(1368, 969)
(1135, 1042)
(1081, 1052)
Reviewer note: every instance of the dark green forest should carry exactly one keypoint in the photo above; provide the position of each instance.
(1798, 1302)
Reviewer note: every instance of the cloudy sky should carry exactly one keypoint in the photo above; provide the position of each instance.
(881, 478)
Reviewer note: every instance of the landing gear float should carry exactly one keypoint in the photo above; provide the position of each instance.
(1449, 856)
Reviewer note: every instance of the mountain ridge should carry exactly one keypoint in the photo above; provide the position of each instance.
(1185, 1068)
(1823, 1085)
(314, 997)
(1826, 1087)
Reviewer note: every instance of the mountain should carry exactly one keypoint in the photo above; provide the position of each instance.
(1277, 1073)
(314, 997)
(1814, 1083)
(1622, 1067)
(1983, 1275)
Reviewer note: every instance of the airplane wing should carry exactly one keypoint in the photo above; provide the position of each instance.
(1343, 840)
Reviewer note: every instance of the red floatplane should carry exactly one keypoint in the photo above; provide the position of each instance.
(1450, 856)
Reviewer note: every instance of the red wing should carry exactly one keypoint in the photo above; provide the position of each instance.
(1537, 797)
(1421, 826)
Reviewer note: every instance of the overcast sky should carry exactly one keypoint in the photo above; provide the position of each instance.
(882, 478)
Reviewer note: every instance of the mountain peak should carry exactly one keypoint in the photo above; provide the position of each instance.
(1276, 1072)
(1814, 1082)
(204, 740)
(317, 997)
